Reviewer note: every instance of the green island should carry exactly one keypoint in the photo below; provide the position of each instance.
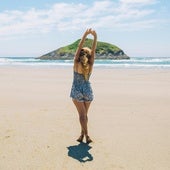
(103, 51)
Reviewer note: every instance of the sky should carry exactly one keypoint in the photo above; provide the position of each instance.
(31, 28)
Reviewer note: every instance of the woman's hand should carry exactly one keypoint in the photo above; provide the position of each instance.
(90, 31)
(93, 32)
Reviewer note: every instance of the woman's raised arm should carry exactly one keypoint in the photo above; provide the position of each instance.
(80, 46)
(94, 44)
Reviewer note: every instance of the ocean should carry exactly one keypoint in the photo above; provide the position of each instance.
(134, 62)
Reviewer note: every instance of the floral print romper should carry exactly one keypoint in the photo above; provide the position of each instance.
(81, 89)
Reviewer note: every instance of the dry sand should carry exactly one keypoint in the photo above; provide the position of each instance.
(129, 120)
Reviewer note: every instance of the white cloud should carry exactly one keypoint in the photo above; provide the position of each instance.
(64, 16)
(139, 2)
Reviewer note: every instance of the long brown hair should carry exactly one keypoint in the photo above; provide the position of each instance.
(86, 54)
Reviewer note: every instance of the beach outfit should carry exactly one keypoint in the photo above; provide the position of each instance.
(81, 89)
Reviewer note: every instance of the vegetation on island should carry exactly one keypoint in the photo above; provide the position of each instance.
(103, 51)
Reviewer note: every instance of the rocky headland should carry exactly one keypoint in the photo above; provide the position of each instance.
(103, 51)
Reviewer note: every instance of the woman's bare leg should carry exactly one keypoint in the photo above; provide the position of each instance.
(82, 108)
(82, 115)
(87, 105)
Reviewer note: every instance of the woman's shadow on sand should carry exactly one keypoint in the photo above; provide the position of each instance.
(80, 152)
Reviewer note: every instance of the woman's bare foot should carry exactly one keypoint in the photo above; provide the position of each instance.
(80, 139)
(88, 140)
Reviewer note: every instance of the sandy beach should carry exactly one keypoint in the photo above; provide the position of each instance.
(129, 120)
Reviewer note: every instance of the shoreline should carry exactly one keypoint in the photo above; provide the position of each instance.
(133, 63)
(70, 67)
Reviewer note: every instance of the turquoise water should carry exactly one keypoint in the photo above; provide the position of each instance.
(135, 62)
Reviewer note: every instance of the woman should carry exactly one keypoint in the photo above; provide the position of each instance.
(81, 91)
